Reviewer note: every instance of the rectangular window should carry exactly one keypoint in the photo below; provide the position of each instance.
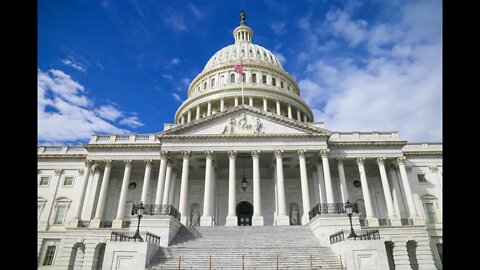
(49, 255)
(68, 181)
(44, 181)
(61, 209)
(264, 78)
(431, 214)
(421, 178)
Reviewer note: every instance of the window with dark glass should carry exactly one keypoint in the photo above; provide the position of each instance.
(68, 181)
(431, 213)
(49, 254)
(421, 178)
(254, 78)
(274, 82)
(281, 84)
(44, 181)
(232, 78)
(205, 85)
(244, 77)
(264, 78)
(59, 216)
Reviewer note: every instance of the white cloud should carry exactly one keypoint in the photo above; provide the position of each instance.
(108, 112)
(174, 20)
(177, 97)
(131, 121)
(67, 115)
(278, 27)
(280, 57)
(74, 64)
(396, 85)
(195, 11)
(175, 61)
(167, 76)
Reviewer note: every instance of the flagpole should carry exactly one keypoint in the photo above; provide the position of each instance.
(242, 78)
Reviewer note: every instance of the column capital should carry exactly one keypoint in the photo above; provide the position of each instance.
(401, 160)
(148, 162)
(94, 168)
(163, 154)
(301, 153)
(58, 171)
(380, 161)
(340, 160)
(232, 154)
(209, 154)
(278, 153)
(324, 153)
(433, 168)
(255, 153)
(128, 162)
(108, 162)
(170, 162)
(81, 171)
(186, 154)
(88, 162)
(360, 161)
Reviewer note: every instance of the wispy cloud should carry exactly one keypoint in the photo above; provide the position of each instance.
(175, 61)
(280, 57)
(278, 27)
(67, 115)
(195, 10)
(394, 83)
(174, 19)
(177, 97)
(131, 121)
(167, 76)
(74, 64)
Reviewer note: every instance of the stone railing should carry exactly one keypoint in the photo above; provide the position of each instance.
(126, 236)
(124, 138)
(330, 208)
(358, 235)
(61, 150)
(364, 136)
(159, 209)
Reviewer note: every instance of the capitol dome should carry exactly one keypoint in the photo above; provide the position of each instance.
(264, 84)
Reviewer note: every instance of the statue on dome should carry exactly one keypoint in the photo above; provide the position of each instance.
(243, 17)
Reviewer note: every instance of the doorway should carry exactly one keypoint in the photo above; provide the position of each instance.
(244, 213)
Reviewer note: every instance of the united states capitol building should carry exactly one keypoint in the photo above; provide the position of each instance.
(243, 179)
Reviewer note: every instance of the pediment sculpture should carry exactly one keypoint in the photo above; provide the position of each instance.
(242, 126)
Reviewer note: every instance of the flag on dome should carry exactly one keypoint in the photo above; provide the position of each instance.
(238, 68)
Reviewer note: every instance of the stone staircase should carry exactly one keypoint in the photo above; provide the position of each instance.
(294, 245)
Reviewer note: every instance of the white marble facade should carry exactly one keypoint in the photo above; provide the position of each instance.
(199, 161)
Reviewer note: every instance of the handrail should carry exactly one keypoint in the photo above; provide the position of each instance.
(126, 236)
(360, 235)
(158, 209)
(330, 208)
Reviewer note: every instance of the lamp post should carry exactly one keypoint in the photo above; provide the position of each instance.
(140, 210)
(244, 181)
(349, 209)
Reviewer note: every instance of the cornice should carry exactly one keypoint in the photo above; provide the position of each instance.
(367, 143)
(61, 156)
(122, 145)
(256, 136)
(423, 153)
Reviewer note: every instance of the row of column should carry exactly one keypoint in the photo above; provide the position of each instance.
(325, 188)
(189, 119)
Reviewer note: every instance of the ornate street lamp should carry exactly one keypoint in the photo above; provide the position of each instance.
(140, 210)
(244, 181)
(349, 209)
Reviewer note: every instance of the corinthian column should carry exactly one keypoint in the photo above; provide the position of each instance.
(343, 182)
(146, 180)
(386, 192)
(95, 223)
(78, 209)
(206, 219)
(304, 184)
(184, 187)
(161, 177)
(372, 221)
(406, 185)
(232, 216)
(326, 174)
(282, 218)
(257, 219)
(117, 223)
(168, 180)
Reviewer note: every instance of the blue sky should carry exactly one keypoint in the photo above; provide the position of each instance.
(125, 66)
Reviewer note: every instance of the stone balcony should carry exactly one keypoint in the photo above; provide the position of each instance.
(61, 150)
(124, 139)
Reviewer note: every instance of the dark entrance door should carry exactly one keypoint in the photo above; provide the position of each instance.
(244, 213)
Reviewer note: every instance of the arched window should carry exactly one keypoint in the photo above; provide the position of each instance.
(281, 84)
(244, 77)
(222, 80)
(212, 83)
(232, 78)
(274, 82)
(205, 85)
(264, 79)
(254, 78)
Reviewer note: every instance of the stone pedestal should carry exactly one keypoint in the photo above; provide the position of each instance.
(206, 221)
(231, 221)
(117, 224)
(257, 220)
(373, 222)
(164, 226)
(95, 223)
(283, 220)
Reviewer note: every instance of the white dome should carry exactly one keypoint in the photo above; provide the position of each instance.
(248, 52)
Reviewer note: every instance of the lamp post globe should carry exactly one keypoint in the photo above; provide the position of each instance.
(349, 210)
(140, 210)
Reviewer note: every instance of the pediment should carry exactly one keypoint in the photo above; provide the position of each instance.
(244, 121)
